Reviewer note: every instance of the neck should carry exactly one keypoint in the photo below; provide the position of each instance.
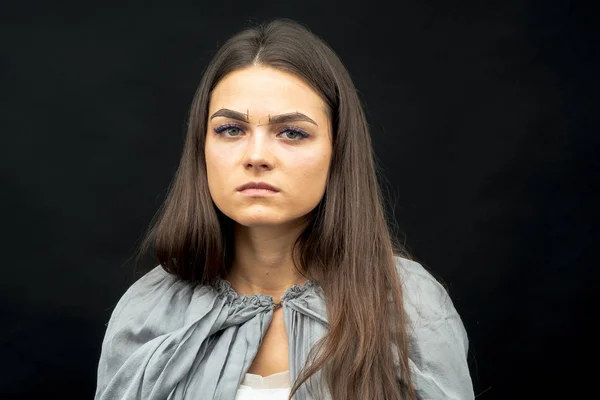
(262, 260)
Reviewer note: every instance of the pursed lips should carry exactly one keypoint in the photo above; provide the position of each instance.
(258, 185)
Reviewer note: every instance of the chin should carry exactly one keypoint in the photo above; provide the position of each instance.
(259, 220)
(260, 215)
(262, 219)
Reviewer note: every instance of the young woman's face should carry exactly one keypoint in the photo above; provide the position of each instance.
(266, 125)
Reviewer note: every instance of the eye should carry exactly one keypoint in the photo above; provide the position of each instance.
(294, 133)
(230, 130)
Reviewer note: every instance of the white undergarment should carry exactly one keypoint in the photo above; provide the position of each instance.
(271, 387)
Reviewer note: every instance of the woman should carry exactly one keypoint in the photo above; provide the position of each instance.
(276, 260)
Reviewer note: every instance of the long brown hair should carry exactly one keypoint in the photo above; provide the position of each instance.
(347, 247)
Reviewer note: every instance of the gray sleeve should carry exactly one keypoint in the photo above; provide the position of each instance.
(437, 339)
(119, 344)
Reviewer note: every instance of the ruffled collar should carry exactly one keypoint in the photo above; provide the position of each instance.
(225, 290)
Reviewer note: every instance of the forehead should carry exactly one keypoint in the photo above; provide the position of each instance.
(261, 91)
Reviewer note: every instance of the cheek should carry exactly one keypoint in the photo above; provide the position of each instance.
(216, 159)
(311, 171)
(216, 164)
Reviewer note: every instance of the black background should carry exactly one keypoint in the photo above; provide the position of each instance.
(483, 116)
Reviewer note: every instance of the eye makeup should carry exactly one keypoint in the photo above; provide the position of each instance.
(222, 128)
(300, 133)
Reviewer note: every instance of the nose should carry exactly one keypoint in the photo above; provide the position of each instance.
(258, 153)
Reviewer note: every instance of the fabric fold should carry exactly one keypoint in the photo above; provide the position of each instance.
(171, 339)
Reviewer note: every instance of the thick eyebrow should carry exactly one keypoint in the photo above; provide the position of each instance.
(274, 119)
(224, 112)
(291, 117)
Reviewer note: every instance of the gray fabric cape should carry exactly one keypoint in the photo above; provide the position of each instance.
(171, 339)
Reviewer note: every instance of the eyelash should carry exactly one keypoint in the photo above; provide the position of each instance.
(301, 134)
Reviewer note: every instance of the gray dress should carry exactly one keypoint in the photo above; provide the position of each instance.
(170, 339)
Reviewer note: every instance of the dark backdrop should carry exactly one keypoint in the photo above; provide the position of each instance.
(483, 116)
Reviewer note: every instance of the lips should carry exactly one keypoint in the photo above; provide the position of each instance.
(257, 185)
